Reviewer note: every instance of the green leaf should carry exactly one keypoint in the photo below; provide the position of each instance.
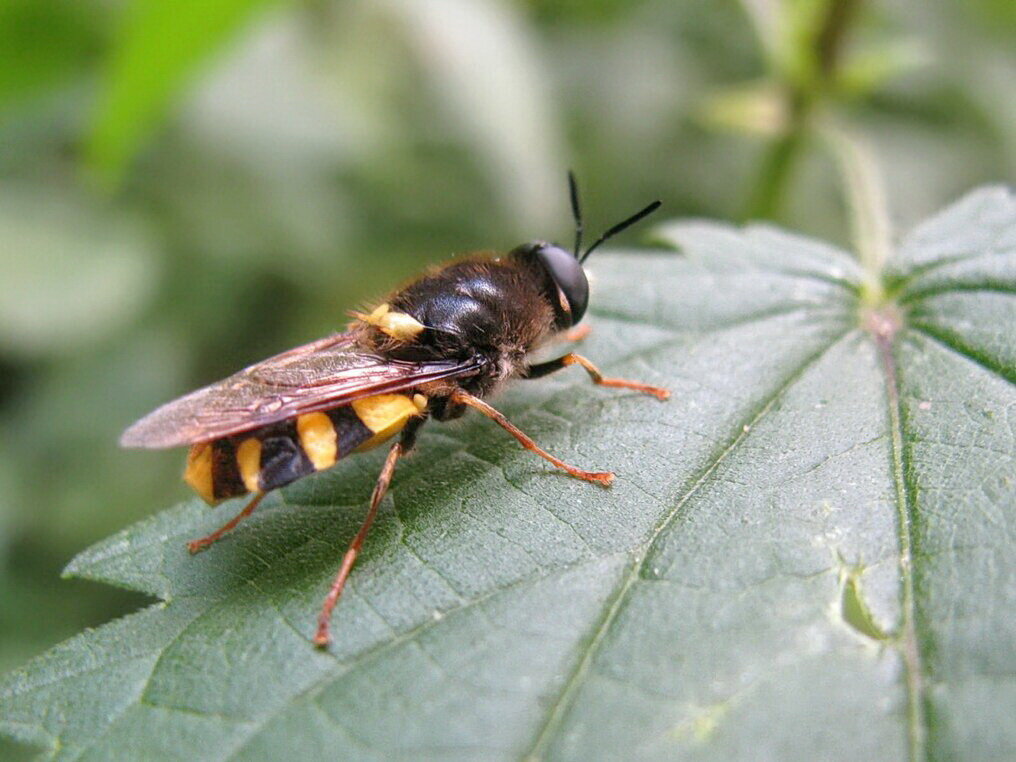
(807, 552)
(161, 44)
(45, 43)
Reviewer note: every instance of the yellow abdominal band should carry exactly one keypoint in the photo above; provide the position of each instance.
(386, 415)
(318, 439)
(198, 473)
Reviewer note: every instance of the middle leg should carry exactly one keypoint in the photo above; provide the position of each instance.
(603, 478)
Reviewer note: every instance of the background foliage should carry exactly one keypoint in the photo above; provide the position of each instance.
(187, 187)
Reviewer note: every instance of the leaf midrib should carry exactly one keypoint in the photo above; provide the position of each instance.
(907, 640)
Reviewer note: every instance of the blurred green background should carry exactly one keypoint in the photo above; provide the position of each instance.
(187, 186)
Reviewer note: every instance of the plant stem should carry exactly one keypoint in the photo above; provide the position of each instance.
(803, 90)
(769, 190)
(829, 41)
(866, 199)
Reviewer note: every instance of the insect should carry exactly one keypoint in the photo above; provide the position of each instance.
(433, 349)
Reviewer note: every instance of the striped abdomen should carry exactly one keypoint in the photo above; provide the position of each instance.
(273, 456)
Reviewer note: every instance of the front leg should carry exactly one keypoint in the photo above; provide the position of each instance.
(579, 333)
(546, 368)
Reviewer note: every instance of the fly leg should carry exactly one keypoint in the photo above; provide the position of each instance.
(603, 478)
(196, 546)
(323, 635)
(546, 368)
(578, 333)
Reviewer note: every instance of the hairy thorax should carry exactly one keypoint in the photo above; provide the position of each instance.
(487, 308)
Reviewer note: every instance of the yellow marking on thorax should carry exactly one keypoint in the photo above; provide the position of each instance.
(386, 415)
(318, 439)
(248, 458)
(198, 473)
(398, 325)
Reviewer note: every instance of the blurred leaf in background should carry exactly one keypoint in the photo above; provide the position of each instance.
(187, 187)
(157, 49)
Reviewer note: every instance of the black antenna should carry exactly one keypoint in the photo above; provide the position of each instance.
(621, 226)
(576, 211)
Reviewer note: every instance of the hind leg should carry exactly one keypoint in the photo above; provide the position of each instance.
(196, 546)
(323, 635)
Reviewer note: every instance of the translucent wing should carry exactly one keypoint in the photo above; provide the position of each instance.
(321, 375)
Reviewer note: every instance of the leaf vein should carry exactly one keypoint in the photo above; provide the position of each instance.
(956, 346)
(557, 710)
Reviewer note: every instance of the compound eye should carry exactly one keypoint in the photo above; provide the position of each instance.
(569, 277)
